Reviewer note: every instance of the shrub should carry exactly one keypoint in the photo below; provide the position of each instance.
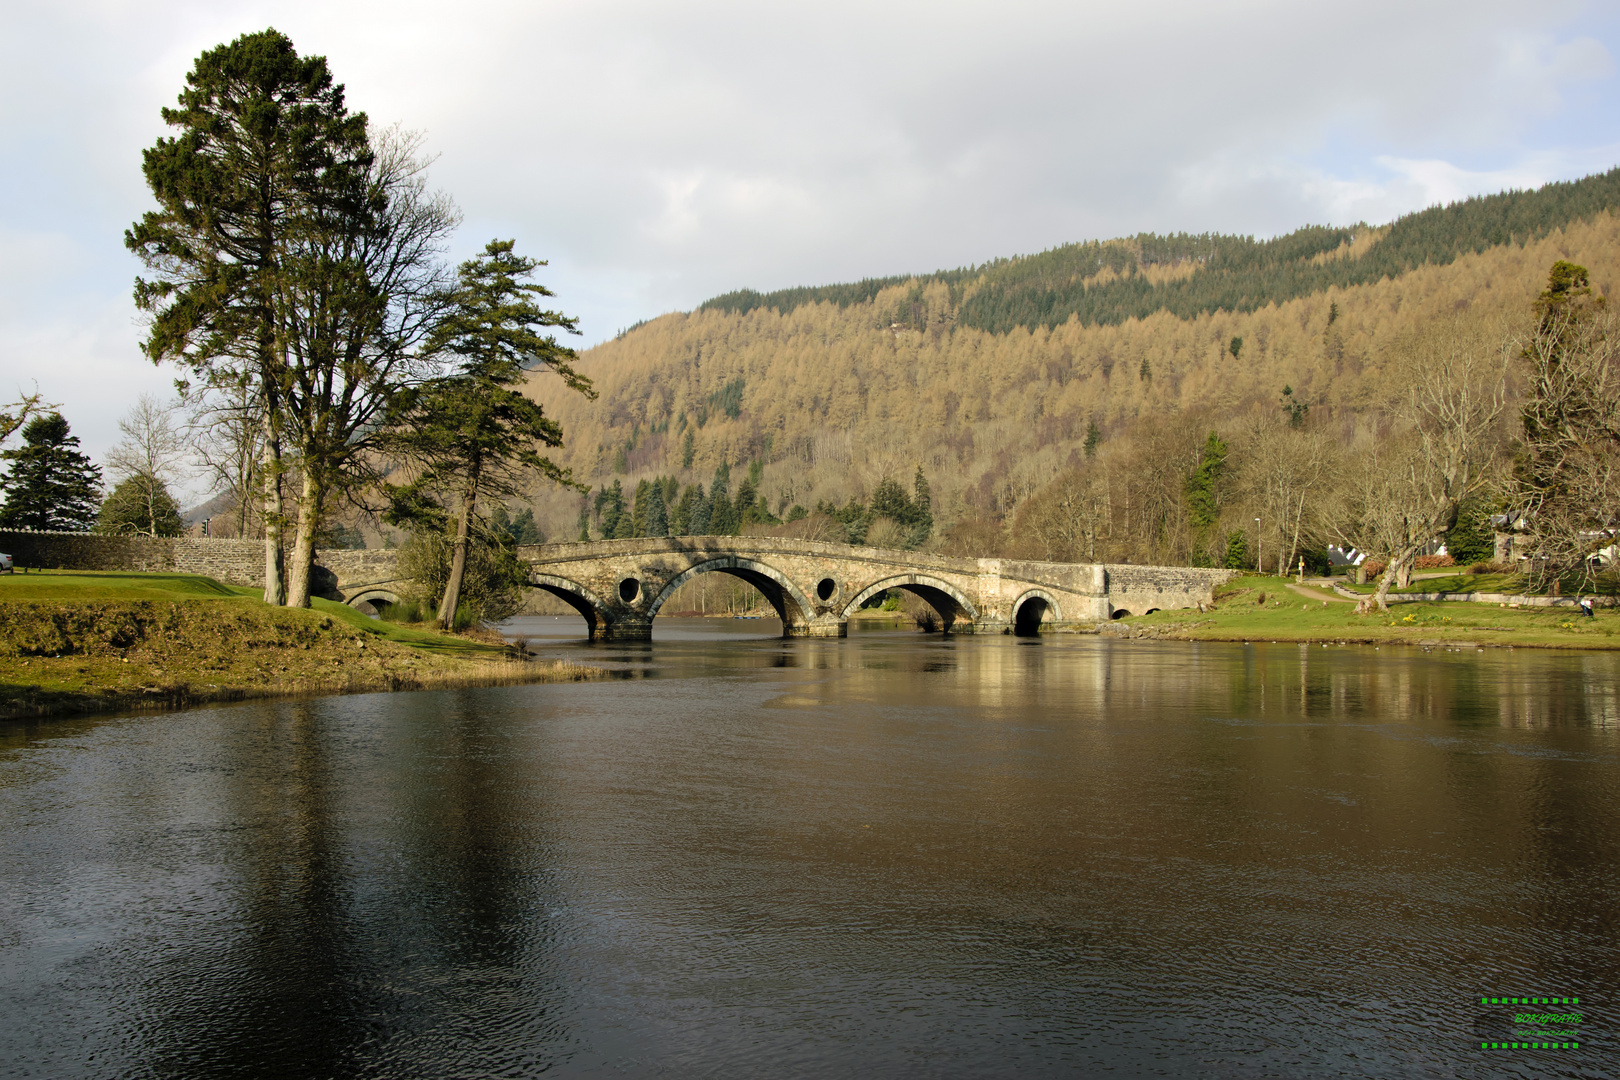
(1432, 562)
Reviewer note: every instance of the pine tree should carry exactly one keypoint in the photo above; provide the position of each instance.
(657, 513)
(722, 515)
(475, 435)
(922, 509)
(267, 153)
(697, 515)
(609, 508)
(638, 510)
(1093, 439)
(688, 449)
(50, 484)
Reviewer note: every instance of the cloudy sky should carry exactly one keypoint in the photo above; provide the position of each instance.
(660, 153)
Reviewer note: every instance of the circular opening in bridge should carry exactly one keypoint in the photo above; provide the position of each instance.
(825, 588)
(629, 589)
(1120, 613)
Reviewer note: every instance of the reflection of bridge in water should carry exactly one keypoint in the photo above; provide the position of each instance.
(619, 586)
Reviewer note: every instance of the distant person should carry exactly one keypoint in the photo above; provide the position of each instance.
(1586, 607)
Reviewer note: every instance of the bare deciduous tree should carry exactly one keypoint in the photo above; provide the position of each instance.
(227, 433)
(1567, 480)
(1281, 480)
(1446, 442)
(153, 445)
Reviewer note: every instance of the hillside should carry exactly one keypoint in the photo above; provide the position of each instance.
(990, 378)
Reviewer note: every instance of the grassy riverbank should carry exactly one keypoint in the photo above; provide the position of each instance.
(75, 642)
(1271, 609)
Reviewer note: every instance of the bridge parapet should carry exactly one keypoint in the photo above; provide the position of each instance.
(619, 586)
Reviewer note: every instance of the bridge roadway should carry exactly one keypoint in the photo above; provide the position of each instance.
(619, 586)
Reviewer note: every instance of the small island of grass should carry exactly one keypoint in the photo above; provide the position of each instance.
(89, 642)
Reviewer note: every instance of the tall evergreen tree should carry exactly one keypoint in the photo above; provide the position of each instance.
(1093, 439)
(638, 509)
(264, 143)
(722, 515)
(473, 434)
(697, 515)
(609, 506)
(1204, 496)
(922, 509)
(657, 512)
(49, 484)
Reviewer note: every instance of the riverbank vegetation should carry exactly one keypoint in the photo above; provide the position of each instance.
(1264, 608)
(93, 642)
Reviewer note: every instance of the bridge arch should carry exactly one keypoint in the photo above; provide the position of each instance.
(792, 606)
(1030, 610)
(576, 596)
(940, 595)
(372, 596)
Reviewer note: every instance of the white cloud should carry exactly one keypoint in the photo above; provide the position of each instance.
(658, 154)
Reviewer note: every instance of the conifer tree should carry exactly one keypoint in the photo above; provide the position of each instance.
(1093, 439)
(722, 515)
(265, 145)
(922, 509)
(474, 435)
(49, 484)
(638, 510)
(657, 512)
(697, 513)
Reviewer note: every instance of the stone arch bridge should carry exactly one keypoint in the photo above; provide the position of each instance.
(619, 586)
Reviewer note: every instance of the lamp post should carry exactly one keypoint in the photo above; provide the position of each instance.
(1259, 562)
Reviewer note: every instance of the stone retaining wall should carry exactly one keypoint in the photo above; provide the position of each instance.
(1509, 599)
(235, 562)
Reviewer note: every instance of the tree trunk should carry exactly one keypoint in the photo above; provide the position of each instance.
(458, 558)
(303, 557)
(1399, 565)
(274, 591)
(1299, 519)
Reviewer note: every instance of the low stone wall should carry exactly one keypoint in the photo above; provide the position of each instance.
(1508, 599)
(238, 562)
(235, 562)
(1137, 590)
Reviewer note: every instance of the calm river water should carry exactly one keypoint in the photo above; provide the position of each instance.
(893, 855)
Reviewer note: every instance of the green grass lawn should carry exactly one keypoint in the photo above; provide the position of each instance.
(1264, 608)
(114, 585)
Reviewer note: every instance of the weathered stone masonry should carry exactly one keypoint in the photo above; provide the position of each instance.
(619, 586)
(350, 576)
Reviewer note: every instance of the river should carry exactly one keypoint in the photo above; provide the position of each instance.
(893, 855)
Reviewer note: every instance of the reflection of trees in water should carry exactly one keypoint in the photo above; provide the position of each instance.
(391, 909)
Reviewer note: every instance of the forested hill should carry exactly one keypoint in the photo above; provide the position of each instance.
(1107, 282)
(1121, 355)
